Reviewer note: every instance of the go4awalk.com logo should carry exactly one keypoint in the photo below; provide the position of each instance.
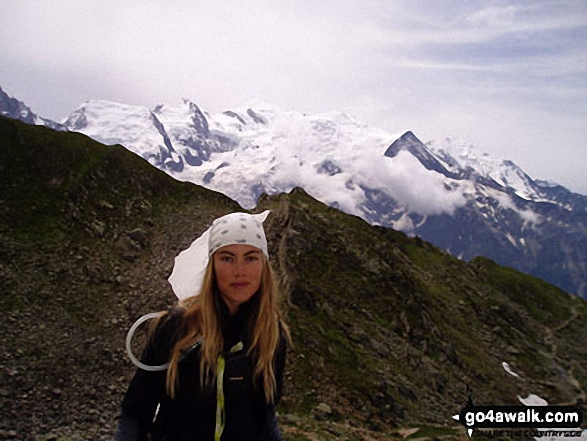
(517, 417)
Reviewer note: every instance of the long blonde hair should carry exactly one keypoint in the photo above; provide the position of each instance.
(200, 320)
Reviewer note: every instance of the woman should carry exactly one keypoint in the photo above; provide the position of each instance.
(225, 349)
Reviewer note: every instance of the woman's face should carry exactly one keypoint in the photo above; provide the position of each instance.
(238, 271)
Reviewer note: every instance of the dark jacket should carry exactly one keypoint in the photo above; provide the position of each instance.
(192, 413)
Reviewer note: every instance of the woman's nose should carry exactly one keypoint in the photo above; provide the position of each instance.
(240, 266)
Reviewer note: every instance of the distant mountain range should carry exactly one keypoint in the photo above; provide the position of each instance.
(15, 109)
(445, 192)
(389, 331)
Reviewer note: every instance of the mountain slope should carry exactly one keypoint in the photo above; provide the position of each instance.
(467, 203)
(12, 108)
(533, 226)
(388, 330)
(88, 234)
(446, 193)
(409, 325)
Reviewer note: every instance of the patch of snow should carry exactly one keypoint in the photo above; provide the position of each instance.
(535, 400)
(507, 368)
(114, 123)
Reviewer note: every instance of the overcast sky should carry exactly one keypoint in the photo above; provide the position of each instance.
(509, 77)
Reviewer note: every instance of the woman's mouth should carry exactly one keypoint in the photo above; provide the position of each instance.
(239, 285)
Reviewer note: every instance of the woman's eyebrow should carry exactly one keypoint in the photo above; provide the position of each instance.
(230, 253)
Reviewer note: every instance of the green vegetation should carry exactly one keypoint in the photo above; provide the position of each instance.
(388, 331)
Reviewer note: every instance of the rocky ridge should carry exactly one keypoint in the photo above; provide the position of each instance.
(445, 192)
(388, 330)
(12, 108)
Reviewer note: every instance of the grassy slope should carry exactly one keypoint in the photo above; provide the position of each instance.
(88, 234)
(388, 330)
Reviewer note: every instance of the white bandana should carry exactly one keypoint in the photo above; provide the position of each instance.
(234, 228)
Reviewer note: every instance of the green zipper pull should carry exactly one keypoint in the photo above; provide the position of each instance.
(220, 365)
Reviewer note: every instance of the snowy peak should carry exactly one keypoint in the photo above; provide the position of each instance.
(12, 108)
(445, 192)
(184, 113)
(410, 143)
(195, 145)
(496, 173)
(171, 137)
(134, 127)
(188, 131)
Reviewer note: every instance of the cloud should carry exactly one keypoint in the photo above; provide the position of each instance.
(408, 182)
(436, 68)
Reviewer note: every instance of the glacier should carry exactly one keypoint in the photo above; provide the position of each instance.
(444, 191)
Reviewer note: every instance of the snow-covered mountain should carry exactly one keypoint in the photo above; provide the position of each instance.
(446, 192)
(12, 108)
(245, 153)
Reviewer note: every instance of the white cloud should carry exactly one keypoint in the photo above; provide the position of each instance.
(406, 180)
(483, 71)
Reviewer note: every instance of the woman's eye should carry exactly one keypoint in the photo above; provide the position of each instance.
(252, 259)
